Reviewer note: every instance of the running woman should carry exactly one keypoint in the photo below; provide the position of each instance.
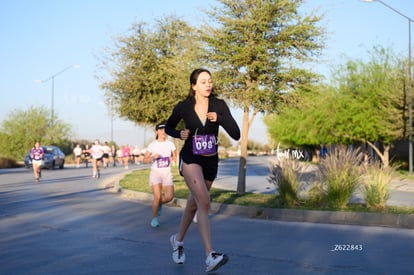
(96, 152)
(126, 154)
(202, 113)
(162, 153)
(36, 154)
(77, 152)
(107, 151)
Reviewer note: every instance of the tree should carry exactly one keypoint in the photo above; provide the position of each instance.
(306, 120)
(373, 99)
(254, 146)
(150, 68)
(25, 127)
(366, 105)
(259, 49)
(224, 139)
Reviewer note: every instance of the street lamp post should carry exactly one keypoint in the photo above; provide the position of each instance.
(53, 87)
(410, 94)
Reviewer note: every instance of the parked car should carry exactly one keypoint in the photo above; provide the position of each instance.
(53, 157)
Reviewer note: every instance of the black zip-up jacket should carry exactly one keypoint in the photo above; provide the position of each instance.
(185, 110)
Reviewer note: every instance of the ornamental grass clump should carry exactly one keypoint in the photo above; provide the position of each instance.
(316, 195)
(340, 172)
(376, 185)
(285, 175)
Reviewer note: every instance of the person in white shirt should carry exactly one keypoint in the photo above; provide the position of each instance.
(96, 154)
(36, 155)
(106, 152)
(162, 153)
(77, 152)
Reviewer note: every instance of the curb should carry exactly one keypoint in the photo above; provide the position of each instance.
(289, 215)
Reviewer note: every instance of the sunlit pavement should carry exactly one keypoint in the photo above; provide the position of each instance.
(70, 223)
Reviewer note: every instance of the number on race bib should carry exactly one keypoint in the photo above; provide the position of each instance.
(204, 144)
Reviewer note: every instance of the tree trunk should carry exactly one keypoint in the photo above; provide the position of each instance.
(385, 157)
(241, 181)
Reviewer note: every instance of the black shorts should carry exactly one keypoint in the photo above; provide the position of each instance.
(208, 164)
(105, 155)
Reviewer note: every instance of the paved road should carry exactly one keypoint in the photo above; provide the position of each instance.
(69, 224)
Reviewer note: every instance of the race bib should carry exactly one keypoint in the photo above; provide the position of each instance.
(163, 162)
(37, 154)
(37, 157)
(204, 144)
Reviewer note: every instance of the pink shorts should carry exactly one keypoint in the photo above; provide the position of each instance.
(163, 177)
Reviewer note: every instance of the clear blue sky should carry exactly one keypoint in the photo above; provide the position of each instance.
(40, 38)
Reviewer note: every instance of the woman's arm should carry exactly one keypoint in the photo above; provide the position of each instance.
(226, 120)
(149, 158)
(172, 122)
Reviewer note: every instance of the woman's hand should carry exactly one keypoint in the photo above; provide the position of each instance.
(184, 134)
(212, 116)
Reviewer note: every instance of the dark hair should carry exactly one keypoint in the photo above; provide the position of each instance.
(193, 80)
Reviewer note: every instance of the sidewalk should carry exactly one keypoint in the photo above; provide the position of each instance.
(404, 185)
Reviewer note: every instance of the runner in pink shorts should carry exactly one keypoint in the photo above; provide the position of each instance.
(162, 153)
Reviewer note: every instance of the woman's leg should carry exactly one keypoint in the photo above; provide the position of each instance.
(186, 219)
(35, 171)
(156, 192)
(93, 167)
(168, 194)
(126, 160)
(98, 165)
(198, 200)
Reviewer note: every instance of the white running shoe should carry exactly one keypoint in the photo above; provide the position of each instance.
(195, 217)
(215, 260)
(178, 254)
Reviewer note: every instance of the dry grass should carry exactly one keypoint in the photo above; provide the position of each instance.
(286, 174)
(376, 185)
(340, 172)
